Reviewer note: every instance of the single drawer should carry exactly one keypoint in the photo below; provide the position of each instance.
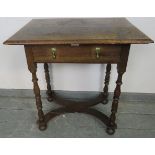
(77, 54)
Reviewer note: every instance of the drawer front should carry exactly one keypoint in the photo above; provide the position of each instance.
(77, 54)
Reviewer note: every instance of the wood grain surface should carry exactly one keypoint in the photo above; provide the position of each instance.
(79, 30)
(79, 54)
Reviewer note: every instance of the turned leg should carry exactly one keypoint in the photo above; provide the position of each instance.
(41, 121)
(121, 69)
(112, 125)
(47, 77)
(106, 84)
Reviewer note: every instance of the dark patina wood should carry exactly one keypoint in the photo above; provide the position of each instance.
(79, 30)
(106, 83)
(47, 77)
(33, 69)
(121, 69)
(77, 54)
(78, 40)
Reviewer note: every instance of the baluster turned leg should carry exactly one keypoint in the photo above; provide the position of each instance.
(41, 121)
(121, 69)
(112, 125)
(106, 84)
(47, 77)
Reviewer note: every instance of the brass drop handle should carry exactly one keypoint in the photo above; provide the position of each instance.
(98, 49)
(53, 52)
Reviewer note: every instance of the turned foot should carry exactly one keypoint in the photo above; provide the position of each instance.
(105, 101)
(42, 126)
(49, 98)
(110, 130)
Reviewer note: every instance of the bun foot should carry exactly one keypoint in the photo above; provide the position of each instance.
(110, 130)
(49, 96)
(42, 126)
(105, 101)
(50, 99)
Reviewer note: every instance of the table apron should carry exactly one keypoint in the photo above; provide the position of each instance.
(76, 54)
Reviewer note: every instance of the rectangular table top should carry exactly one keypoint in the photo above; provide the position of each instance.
(80, 31)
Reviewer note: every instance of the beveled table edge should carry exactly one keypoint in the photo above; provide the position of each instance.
(51, 42)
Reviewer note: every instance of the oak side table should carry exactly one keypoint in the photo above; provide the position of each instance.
(78, 40)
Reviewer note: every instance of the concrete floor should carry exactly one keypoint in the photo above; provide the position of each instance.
(136, 117)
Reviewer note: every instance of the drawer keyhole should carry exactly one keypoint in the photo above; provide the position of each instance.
(53, 53)
(98, 49)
